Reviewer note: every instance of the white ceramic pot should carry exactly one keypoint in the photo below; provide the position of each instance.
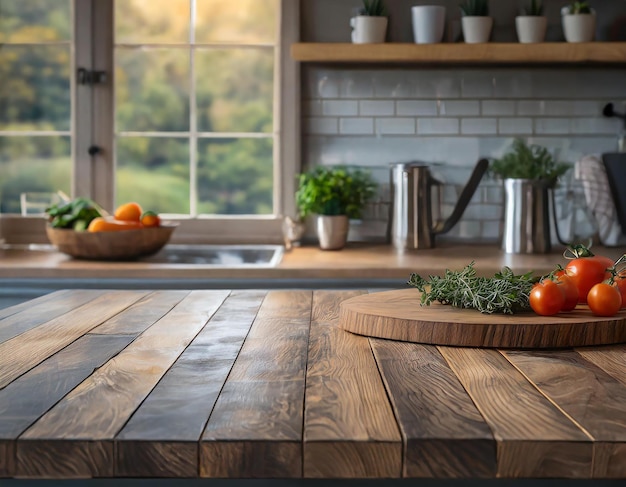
(428, 23)
(579, 27)
(368, 30)
(476, 29)
(531, 28)
(332, 231)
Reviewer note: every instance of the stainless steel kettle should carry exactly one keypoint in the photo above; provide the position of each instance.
(412, 223)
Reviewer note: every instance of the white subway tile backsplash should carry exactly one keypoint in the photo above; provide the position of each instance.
(321, 126)
(395, 126)
(438, 126)
(552, 126)
(450, 118)
(376, 108)
(477, 126)
(491, 108)
(356, 85)
(477, 84)
(340, 108)
(515, 126)
(573, 108)
(594, 126)
(356, 126)
(532, 108)
(459, 108)
(391, 84)
(416, 108)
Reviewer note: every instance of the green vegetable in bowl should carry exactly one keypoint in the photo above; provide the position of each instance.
(75, 214)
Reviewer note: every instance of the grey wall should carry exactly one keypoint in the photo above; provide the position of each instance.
(451, 116)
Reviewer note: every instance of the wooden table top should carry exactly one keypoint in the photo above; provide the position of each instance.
(253, 384)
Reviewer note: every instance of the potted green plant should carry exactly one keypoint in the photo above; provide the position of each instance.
(531, 24)
(529, 174)
(335, 194)
(370, 25)
(476, 23)
(579, 22)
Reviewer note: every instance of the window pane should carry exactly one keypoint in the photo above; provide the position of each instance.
(23, 21)
(243, 21)
(235, 176)
(235, 90)
(33, 164)
(154, 172)
(35, 92)
(151, 21)
(152, 90)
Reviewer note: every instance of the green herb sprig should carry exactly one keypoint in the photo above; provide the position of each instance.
(505, 293)
(75, 214)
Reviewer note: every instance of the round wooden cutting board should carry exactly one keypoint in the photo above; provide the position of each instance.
(398, 315)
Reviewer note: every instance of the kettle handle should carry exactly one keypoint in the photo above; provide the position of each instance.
(466, 195)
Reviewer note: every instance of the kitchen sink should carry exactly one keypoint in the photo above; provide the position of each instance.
(219, 255)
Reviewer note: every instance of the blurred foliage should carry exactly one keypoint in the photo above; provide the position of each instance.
(234, 94)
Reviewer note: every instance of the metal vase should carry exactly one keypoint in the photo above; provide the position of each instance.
(332, 231)
(526, 217)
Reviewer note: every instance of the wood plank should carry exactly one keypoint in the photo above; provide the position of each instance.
(22, 353)
(161, 438)
(535, 439)
(27, 398)
(349, 427)
(98, 408)
(461, 53)
(590, 396)
(399, 315)
(45, 298)
(43, 311)
(142, 314)
(444, 434)
(610, 359)
(255, 429)
(7, 458)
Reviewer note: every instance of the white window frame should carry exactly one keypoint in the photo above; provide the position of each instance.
(93, 124)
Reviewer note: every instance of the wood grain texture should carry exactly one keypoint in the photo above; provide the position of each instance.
(160, 440)
(261, 405)
(22, 353)
(32, 316)
(347, 414)
(610, 359)
(460, 53)
(31, 303)
(592, 398)
(535, 439)
(62, 459)
(27, 398)
(142, 314)
(444, 434)
(399, 315)
(7, 458)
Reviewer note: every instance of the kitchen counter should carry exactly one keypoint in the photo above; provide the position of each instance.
(264, 384)
(355, 262)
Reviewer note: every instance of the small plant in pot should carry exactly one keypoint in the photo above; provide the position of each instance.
(531, 24)
(476, 23)
(529, 173)
(335, 194)
(579, 22)
(370, 25)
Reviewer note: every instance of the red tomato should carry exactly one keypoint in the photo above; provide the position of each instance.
(588, 271)
(620, 284)
(546, 298)
(569, 289)
(604, 299)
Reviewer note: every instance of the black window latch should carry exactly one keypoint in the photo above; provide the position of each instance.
(88, 77)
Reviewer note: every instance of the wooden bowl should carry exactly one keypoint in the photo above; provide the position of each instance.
(119, 245)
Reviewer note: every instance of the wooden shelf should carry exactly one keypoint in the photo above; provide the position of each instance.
(461, 53)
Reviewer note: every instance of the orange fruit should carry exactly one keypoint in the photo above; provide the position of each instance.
(129, 212)
(101, 224)
(150, 219)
